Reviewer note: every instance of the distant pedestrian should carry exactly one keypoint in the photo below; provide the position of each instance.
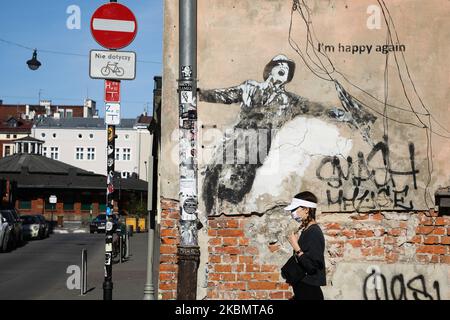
(309, 247)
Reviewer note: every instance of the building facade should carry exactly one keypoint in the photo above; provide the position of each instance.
(81, 142)
(338, 112)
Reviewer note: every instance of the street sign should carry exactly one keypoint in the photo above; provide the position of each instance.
(52, 199)
(112, 114)
(113, 26)
(112, 91)
(113, 65)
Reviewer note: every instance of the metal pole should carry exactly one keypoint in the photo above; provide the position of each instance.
(111, 138)
(83, 280)
(149, 289)
(188, 250)
(120, 248)
(107, 283)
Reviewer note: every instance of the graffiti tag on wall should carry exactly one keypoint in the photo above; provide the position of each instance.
(377, 286)
(359, 184)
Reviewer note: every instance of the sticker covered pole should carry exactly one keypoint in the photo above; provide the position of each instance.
(188, 250)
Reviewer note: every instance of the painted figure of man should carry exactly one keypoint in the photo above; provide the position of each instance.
(265, 106)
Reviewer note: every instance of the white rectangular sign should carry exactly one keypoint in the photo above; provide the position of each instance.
(112, 114)
(115, 65)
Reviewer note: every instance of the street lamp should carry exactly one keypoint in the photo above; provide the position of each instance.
(34, 63)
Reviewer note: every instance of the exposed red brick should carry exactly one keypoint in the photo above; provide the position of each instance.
(168, 286)
(356, 243)
(364, 233)
(230, 233)
(168, 268)
(233, 286)
(230, 241)
(377, 216)
(444, 259)
(445, 240)
(169, 232)
(215, 258)
(432, 249)
(439, 231)
(167, 249)
(424, 230)
(222, 268)
(246, 259)
(269, 268)
(244, 295)
(276, 295)
(244, 242)
(431, 240)
(396, 232)
(215, 241)
(348, 233)
(333, 226)
(360, 217)
(416, 239)
(233, 224)
(440, 221)
(262, 285)
(434, 258)
(378, 251)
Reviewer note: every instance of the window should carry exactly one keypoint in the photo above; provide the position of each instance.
(125, 174)
(127, 136)
(14, 136)
(91, 136)
(79, 153)
(69, 113)
(117, 154)
(91, 153)
(102, 207)
(25, 148)
(86, 203)
(126, 155)
(68, 203)
(25, 204)
(8, 136)
(54, 135)
(44, 151)
(43, 134)
(54, 153)
(7, 150)
(80, 136)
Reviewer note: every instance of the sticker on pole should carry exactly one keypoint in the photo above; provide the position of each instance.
(113, 65)
(113, 26)
(112, 91)
(112, 114)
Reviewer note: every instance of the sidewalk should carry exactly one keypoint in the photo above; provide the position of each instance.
(128, 277)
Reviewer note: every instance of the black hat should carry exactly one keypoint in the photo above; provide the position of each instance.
(275, 61)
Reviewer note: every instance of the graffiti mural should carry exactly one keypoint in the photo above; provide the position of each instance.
(265, 106)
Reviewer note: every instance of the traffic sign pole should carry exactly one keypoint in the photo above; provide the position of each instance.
(113, 26)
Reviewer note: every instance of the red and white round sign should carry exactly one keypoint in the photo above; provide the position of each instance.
(113, 26)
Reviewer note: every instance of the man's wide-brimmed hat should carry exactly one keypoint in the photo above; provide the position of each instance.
(275, 61)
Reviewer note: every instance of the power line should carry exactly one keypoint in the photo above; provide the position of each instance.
(62, 52)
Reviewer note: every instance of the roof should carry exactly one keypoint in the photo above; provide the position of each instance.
(34, 171)
(144, 119)
(34, 163)
(23, 126)
(15, 110)
(31, 139)
(73, 123)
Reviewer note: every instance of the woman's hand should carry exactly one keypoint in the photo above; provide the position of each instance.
(293, 240)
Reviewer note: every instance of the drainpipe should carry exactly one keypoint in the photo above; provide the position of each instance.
(188, 250)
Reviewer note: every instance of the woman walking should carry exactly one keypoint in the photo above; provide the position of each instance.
(308, 248)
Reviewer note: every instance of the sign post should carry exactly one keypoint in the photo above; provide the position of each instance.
(113, 26)
(53, 200)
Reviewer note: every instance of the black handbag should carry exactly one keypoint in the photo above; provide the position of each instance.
(292, 271)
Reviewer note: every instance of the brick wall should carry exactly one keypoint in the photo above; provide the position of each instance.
(235, 270)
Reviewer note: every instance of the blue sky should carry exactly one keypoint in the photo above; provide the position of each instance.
(64, 79)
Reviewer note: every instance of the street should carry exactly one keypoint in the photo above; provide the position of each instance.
(38, 269)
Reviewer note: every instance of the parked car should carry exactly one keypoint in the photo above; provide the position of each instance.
(99, 223)
(16, 234)
(31, 227)
(5, 234)
(44, 227)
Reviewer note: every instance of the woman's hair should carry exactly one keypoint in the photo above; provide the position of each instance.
(308, 196)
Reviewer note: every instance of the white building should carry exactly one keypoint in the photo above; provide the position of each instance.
(81, 142)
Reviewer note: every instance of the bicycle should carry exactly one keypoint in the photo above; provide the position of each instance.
(114, 68)
(116, 254)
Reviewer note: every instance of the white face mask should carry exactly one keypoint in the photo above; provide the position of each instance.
(296, 217)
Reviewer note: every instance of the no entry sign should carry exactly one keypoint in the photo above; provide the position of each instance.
(113, 26)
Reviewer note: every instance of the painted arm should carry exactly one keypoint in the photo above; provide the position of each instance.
(225, 96)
